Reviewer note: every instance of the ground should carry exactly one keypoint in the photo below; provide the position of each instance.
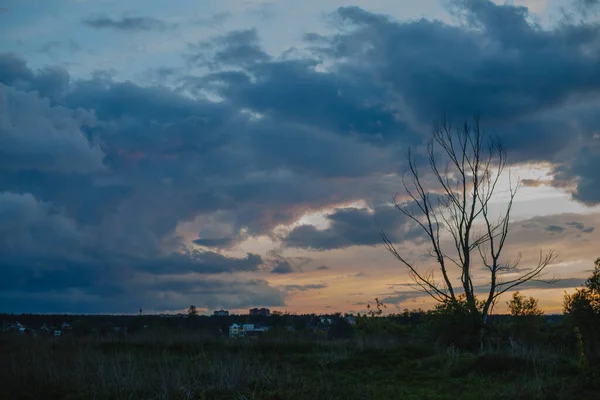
(186, 366)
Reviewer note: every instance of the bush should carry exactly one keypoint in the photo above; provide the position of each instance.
(582, 309)
(453, 324)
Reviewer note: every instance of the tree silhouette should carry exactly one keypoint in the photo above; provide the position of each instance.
(583, 309)
(457, 208)
(192, 313)
(520, 306)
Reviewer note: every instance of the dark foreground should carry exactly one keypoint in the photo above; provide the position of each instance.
(173, 366)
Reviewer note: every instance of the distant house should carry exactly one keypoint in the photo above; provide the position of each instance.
(261, 329)
(351, 319)
(235, 330)
(57, 333)
(265, 312)
(325, 320)
(221, 313)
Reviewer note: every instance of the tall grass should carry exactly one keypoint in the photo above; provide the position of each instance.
(170, 365)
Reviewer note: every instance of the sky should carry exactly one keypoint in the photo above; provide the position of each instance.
(238, 154)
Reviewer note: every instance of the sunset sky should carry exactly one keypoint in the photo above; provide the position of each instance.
(240, 153)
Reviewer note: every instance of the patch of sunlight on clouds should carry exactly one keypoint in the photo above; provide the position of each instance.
(533, 201)
(319, 219)
(258, 245)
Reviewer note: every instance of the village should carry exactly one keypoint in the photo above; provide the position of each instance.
(254, 324)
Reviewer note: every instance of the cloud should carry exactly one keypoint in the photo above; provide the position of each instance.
(118, 169)
(127, 23)
(46, 253)
(48, 82)
(580, 226)
(304, 288)
(322, 268)
(36, 135)
(574, 224)
(354, 227)
(234, 48)
(166, 295)
(282, 267)
(581, 170)
(399, 297)
(285, 265)
(555, 229)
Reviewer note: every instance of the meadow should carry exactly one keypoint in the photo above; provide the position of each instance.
(381, 363)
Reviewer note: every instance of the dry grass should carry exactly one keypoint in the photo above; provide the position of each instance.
(165, 365)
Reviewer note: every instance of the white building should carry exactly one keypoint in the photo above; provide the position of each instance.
(235, 330)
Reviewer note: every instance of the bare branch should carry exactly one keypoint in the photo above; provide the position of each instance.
(467, 175)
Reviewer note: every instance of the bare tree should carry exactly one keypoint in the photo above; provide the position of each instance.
(466, 178)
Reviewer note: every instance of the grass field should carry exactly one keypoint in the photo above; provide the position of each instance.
(186, 366)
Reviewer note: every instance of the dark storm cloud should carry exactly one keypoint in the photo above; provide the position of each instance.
(502, 63)
(173, 295)
(524, 80)
(45, 253)
(127, 23)
(341, 104)
(49, 82)
(38, 136)
(354, 227)
(584, 171)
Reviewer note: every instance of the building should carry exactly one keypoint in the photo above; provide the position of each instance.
(351, 319)
(265, 312)
(221, 313)
(235, 330)
(246, 330)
